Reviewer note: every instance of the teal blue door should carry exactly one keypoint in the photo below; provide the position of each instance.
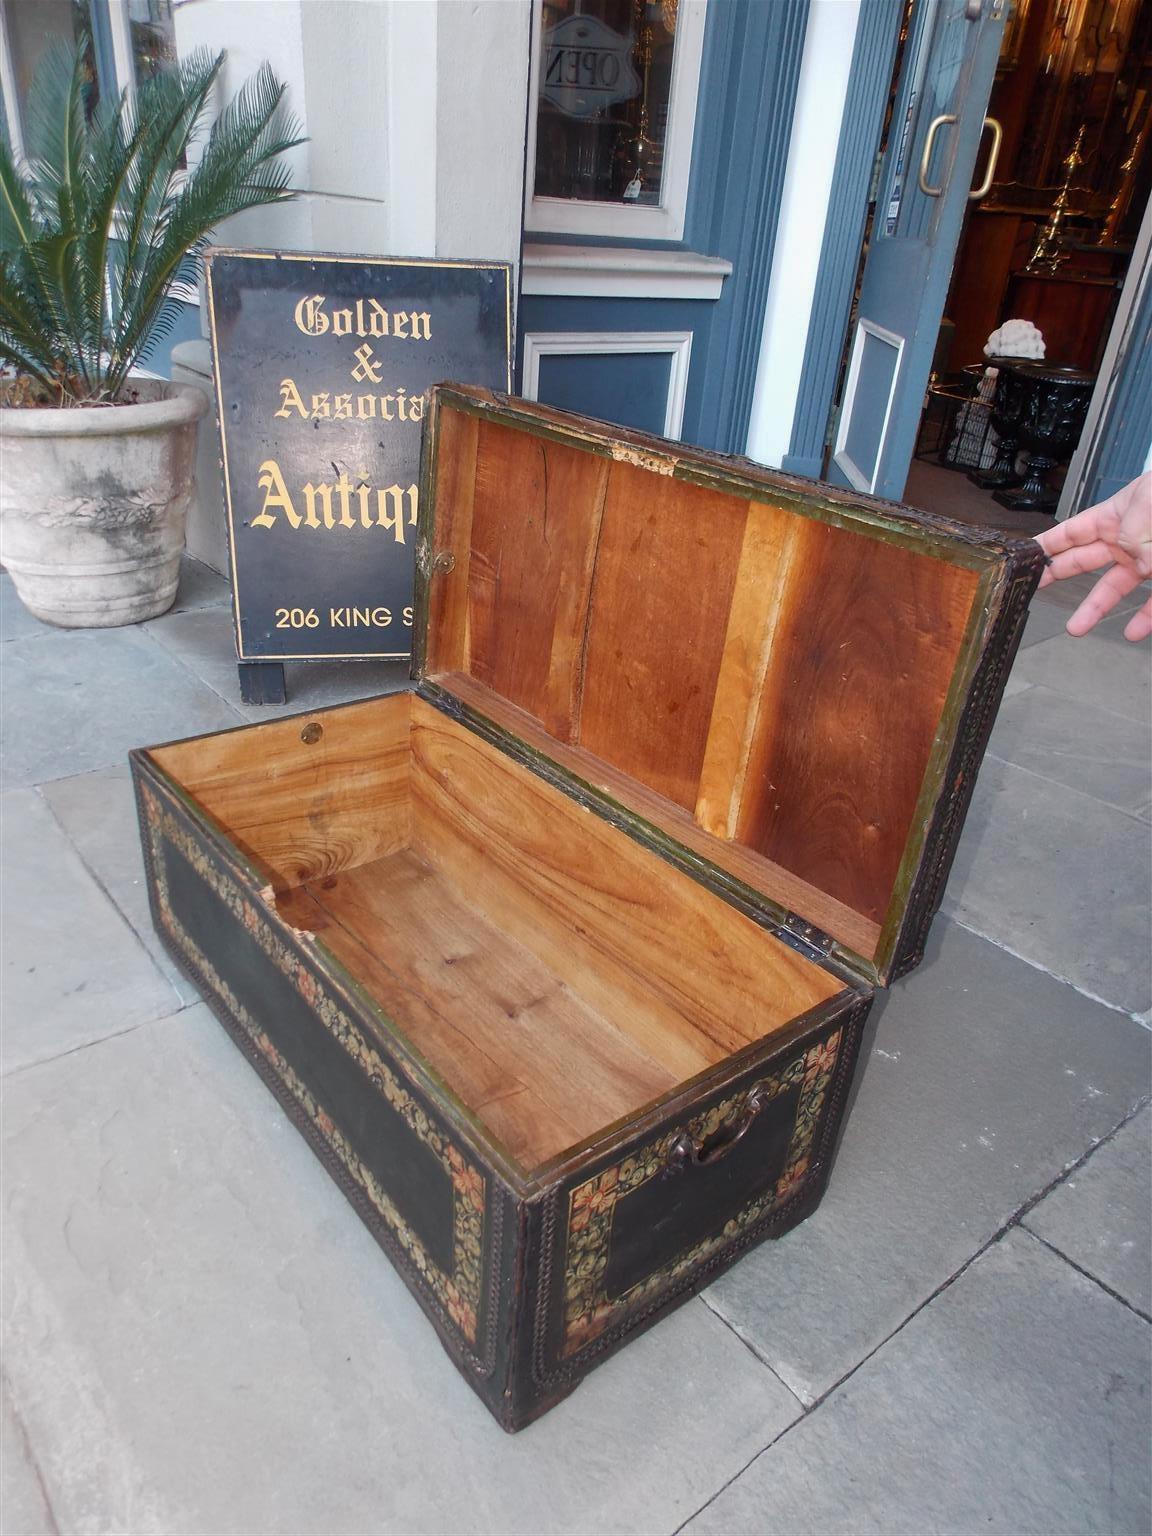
(926, 179)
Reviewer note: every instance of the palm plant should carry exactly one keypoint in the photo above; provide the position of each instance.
(103, 219)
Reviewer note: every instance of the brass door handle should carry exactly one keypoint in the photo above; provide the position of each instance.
(926, 158)
(993, 155)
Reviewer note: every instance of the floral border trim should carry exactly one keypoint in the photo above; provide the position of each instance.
(458, 1293)
(588, 1309)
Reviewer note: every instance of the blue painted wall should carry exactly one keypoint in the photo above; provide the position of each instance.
(630, 389)
(603, 379)
(749, 75)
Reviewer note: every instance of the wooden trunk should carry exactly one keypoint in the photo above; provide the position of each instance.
(561, 959)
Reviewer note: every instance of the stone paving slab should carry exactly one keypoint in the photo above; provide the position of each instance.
(1046, 621)
(1071, 592)
(201, 587)
(73, 970)
(1101, 1215)
(203, 1338)
(23, 1508)
(1016, 1403)
(1053, 607)
(1105, 755)
(1101, 668)
(98, 812)
(984, 1080)
(1059, 879)
(1015, 685)
(203, 642)
(15, 620)
(79, 699)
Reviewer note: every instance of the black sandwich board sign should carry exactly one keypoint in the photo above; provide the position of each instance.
(323, 364)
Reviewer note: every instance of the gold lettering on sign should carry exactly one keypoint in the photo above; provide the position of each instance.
(366, 371)
(323, 405)
(364, 319)
(351, 618)
(356, 505)
(290, 399)
(309, 317)
(276, 497)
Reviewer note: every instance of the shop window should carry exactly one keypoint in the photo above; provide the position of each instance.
(151, 37)
(614, 85)
(128, 40)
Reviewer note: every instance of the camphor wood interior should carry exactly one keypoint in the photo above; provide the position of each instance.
(555, 973)
(762, 679)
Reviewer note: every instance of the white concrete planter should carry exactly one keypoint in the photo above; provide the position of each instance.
(93, 502)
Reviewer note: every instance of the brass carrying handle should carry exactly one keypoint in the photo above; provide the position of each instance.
(926, 158)
(993, 155)
(710, 1149)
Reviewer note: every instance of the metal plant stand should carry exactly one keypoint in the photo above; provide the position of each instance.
(1005, 410)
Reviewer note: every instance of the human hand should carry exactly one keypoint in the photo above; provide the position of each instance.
(1116, 533)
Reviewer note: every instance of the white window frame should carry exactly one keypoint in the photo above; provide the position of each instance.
(120, 26)
(840, 457)
(575, 216)
(676, 344)
(8, 87)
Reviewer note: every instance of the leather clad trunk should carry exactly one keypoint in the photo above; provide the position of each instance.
(560, 959)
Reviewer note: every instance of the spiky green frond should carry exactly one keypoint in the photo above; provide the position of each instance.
(240, 168)
(21, 324)
(56, 131)
(104, 218)
(17, 216)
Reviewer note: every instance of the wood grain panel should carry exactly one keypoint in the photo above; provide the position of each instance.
(864, 655)
(540, 1067)
(371, 954)
(661, 593)
(769, 542)
(688, 977)
(535, 522)
(455, 487)
(788, 890)
(302, 809)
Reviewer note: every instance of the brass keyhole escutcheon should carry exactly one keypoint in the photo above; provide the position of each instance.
(311, 733)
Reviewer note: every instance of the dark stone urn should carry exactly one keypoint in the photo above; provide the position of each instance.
(1052, 407)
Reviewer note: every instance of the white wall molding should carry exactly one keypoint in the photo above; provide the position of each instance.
(828, 48)
(677, 344)
(619, 272)
(1138, 276)
(428, 161)
(481, 90)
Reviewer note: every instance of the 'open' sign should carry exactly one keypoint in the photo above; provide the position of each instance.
(587, 67)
